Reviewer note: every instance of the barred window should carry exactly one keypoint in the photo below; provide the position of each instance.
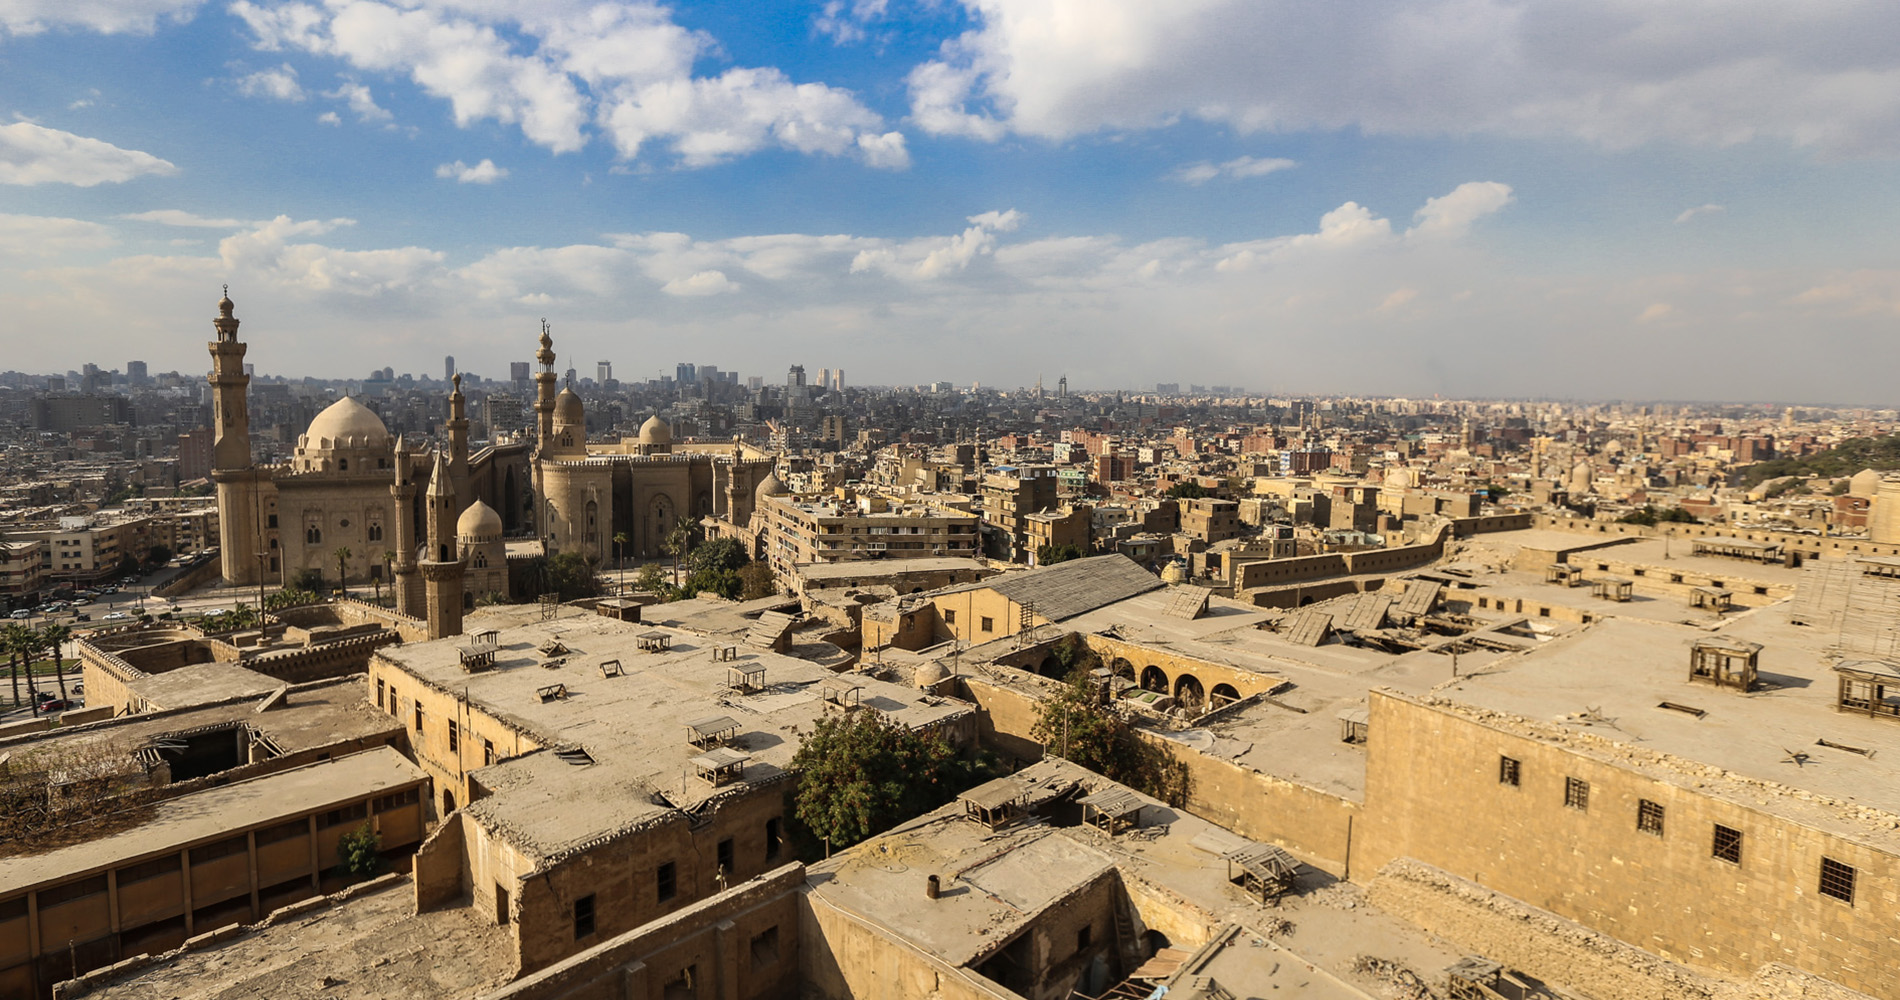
(1577, 793)
(1728, 845)
(1837, 880)
(1510, 771)
(1649, 817)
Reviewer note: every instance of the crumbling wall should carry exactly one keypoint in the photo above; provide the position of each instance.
(741, 944)
(1524, 937)
(441, 867)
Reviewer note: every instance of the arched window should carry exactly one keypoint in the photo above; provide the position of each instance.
(593, 517)
(481, 559)
(567, 440)
(442, 553)
(313, 535)
(1153, 679)
(342, 465)
(1187, 691)
(375, 532)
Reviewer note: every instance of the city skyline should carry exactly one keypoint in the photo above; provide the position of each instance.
(1393, 201)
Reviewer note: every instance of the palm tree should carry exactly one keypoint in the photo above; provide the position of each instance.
(342, 554)
(13, 643)
(55, 636)
(389, 560)
(27, 642)
(621, 541)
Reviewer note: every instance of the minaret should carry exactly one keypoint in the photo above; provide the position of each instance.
(544, 426)
(457, 428)
(544, 382)
(231, 466)
(403, 497)
(441, 564)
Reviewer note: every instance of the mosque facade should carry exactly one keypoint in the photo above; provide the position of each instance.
(355, 496)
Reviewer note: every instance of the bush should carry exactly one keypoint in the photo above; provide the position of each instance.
(1049, 555)
(859, 775)
(359, 853)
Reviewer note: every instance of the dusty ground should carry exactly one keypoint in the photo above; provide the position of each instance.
(368, 948)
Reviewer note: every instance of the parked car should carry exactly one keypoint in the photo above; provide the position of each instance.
(55, 705)
(22, 613)
(116, 616)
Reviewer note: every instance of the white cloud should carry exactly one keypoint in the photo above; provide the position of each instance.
(1691, 213)
(278, 83)
(362, 103)
(1614, 72)
(561, 70)
(138, 17)
(1245, 166)
(42, 236)
(702, 283)
(1350, 302)
(177, 217)
(484, 172)
(329, 118)
(32, 154)
(845, 22)
(1451, 215)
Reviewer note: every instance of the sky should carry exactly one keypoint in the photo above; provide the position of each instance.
(1588, 199)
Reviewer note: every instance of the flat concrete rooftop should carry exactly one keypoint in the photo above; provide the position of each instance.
(316, 715)
(174, 824)
(634, 726)
(1621, 670)
(997, 883)
(202, 684)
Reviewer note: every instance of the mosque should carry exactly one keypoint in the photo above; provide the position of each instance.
(434, 527)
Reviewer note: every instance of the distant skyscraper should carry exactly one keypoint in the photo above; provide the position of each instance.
(837, 380)
(518, 374)
(824, 378)
(606, 372)
(448, 367)
(686, 374)
(135, 373)
(795, 377)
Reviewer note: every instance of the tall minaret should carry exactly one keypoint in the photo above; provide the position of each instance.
(457, 427)
(402, 494)
(231, 466)
(544, 385)
(544, 426)
(441, 564)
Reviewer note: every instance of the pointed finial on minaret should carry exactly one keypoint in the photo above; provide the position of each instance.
(457, 380)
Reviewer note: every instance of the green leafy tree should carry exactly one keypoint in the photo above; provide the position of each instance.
(1650, 516)
(859, 775)
(158, 555)
(652, 579)
(723, 582)
(1049, 555)
(22, 642)
(572, 575)
(359, 853)
(1075, 725)
(720, 554)
(1189, 490)
(680, 542)
(757, 580)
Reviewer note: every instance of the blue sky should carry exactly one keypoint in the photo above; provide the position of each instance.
(1582, 198)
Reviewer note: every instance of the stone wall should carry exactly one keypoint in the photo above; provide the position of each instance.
(844, 956)
(742, 944)
(1664, 890)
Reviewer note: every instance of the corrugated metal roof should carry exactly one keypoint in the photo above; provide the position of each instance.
(1072, 588)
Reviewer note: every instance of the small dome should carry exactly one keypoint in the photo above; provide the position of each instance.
(478, 521)
(930, 675)
(1865, 483)
(567, 408)
(656, 431)
(769, 487)
(347, 423)
(1174, 572)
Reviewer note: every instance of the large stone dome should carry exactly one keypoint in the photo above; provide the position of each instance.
(479, 521)
(346, 423)
(567, 408)
(656, 431)
(769, 487)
